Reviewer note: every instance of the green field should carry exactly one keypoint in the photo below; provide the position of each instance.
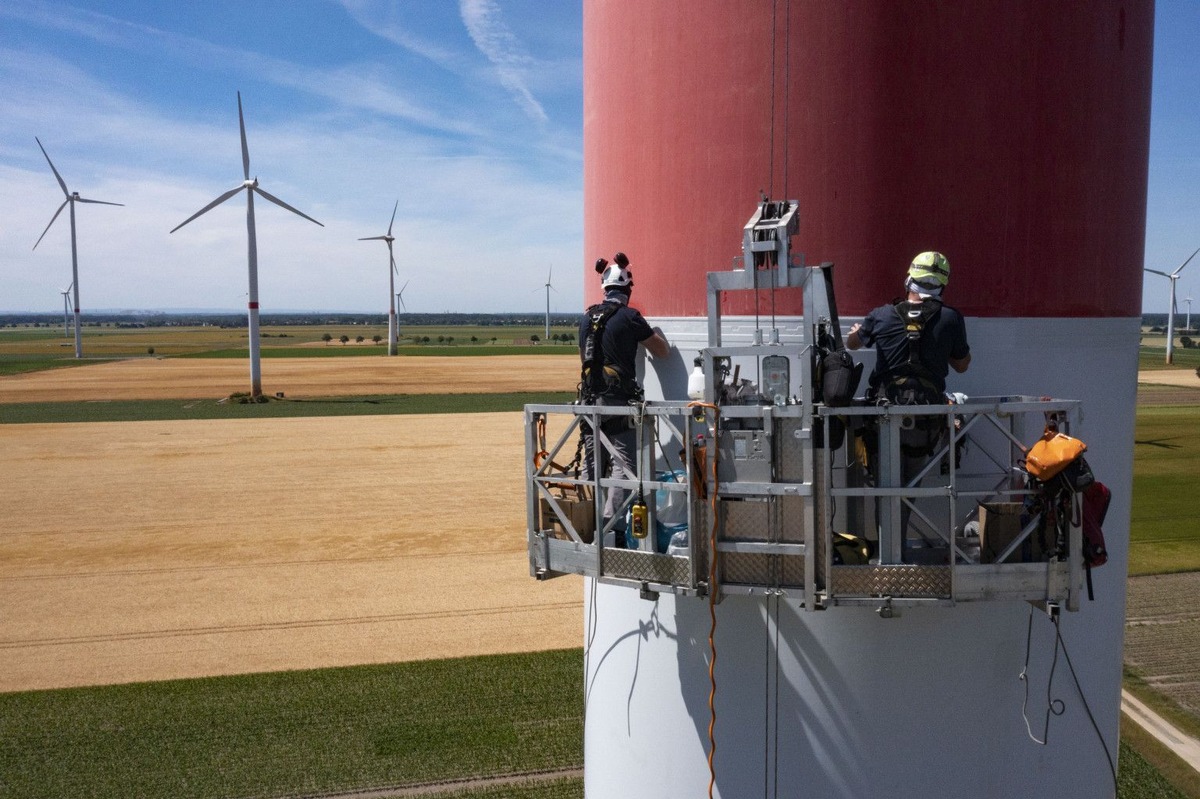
(300, 733)
(363, 405)
(1164, 527)
(29, 349)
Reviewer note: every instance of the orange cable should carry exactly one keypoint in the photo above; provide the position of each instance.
(712, 602)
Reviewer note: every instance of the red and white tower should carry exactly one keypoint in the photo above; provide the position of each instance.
(1013, 138)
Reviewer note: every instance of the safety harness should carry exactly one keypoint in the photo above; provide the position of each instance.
(912, 382)
(598, 378)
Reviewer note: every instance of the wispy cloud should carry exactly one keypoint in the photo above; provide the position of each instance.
(496, 41)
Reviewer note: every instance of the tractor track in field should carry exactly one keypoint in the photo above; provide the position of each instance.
(447, 787)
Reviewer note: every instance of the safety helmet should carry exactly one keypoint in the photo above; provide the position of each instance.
(617, 274)
(930, 269)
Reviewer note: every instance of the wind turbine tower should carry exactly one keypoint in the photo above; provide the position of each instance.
(251, 186)
(393, 327)
(71, 199)
(1173, 308)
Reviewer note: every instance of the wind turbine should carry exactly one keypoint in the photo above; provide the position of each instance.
(71, 199)
(251, 187)
(549, 288)
(66, 293)
(400, 300)
(393, 328)
(1189, 314)
(1172, 276)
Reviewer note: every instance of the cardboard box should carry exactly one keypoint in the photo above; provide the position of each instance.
(577, 506)
(999, 525)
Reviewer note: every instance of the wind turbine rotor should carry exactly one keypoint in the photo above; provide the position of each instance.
(57, 176)
(282, 204)
(245, 147)
(208, 207)
(1185, 263)
(400, 295)
(96, 202)
(47, 230)
(396, 206)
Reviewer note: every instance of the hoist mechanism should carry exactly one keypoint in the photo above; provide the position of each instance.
(793, 485)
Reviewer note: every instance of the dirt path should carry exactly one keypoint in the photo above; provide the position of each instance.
(155, 550)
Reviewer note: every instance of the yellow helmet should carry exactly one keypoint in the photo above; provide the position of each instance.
(931, 269)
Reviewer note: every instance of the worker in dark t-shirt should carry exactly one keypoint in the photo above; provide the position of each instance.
(610, 333)
(917, 341)
(942, 343)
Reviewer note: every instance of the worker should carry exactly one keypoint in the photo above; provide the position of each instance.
(912, 370)
(610, 334)
(917, 340)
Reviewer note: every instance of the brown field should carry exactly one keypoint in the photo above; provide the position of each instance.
(154, 550)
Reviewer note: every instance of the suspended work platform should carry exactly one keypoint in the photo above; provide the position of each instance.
(764, 484)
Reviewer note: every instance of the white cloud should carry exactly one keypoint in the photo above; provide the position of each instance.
(492, 36)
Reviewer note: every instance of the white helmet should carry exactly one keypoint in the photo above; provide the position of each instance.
(617, 274)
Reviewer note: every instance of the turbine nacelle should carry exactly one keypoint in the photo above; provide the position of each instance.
(251, 183)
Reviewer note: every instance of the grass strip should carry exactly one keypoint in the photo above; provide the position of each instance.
(15, 364)
(170, 410)
(301, 733)
(1164, 531)
(1148, 770)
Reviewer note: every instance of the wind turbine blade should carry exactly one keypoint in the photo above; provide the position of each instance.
(282, 204)
(400, 295)
(245, 147)
(61, 182)
(208, 207)
(397, 205)
(392, 256)
(373, 238)
(97, 202)
(47, 230)
(1155, 271)
(1185, 263)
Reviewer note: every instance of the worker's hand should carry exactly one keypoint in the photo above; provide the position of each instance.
(854, 328)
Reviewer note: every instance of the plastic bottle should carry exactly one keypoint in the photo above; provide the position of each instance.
(696, 381)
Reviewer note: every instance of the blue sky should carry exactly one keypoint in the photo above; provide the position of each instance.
(469, 113)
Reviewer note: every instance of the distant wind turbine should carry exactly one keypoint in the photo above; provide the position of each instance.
(549, 288)
(66, 293)
(393, 328)
(252, 188)
(71, 198)
(400, 296)
(1189, 314)
(1172, 276)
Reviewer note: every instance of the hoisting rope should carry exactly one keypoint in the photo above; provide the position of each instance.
(1057, 706)
(712, 599)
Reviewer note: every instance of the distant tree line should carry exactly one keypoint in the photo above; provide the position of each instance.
(233, 320)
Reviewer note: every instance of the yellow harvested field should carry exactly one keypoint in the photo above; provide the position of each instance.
(153, 550)
(204, 378)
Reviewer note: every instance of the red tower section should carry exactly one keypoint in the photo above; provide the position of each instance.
(985, 130)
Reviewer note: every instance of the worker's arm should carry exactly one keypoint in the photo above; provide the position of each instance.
(657, 344)
(958, 364)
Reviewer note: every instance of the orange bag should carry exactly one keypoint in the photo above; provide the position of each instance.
(1052, 453)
